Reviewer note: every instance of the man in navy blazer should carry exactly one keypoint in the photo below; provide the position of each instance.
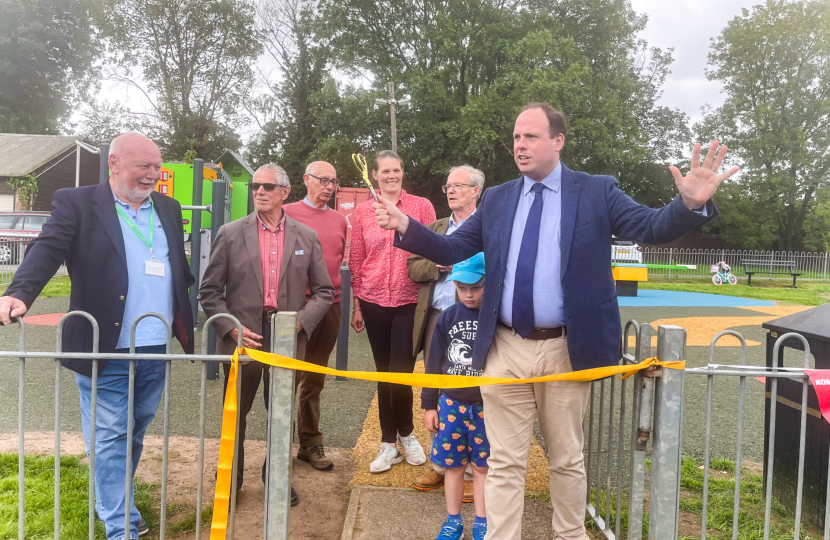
(124, 250)
(549, 303)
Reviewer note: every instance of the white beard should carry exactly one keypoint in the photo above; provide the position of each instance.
(136, 195)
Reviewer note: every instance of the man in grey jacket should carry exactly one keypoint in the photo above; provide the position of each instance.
(259, 265)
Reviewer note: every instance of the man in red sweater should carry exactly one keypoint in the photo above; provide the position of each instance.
(320, 179)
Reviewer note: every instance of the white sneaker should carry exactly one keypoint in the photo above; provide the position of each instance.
(414, 453)
(387, 457)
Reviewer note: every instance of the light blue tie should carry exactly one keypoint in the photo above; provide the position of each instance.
(523, 318)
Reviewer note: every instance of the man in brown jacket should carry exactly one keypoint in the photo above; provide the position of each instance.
(463, 188)
(258, 265)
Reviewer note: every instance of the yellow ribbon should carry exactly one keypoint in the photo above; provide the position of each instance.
(221, 500)
(360, 162)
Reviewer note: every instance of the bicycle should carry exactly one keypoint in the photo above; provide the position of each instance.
(723, 274)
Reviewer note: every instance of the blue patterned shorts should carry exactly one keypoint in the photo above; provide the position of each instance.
(461, 435)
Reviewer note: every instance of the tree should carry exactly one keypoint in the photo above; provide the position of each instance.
(47, 50)
(288, 133)
(774, 63)
(26, 188)
(192, 60)
(468, 66)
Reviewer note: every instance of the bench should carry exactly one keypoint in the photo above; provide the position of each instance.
(768, 267)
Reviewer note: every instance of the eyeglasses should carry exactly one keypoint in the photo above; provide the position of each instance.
(325, 181)
(267, 187)
(456, 187)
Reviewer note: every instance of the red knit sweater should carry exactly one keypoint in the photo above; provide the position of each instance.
(331, 227)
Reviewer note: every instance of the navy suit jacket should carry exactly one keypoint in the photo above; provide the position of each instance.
(593, 208)
(84, 231)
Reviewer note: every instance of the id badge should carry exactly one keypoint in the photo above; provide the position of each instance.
(154, 268)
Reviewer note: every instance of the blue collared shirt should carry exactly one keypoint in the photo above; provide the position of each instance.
(305, 200)
(145, 293)
(444, 294)
(548, 301)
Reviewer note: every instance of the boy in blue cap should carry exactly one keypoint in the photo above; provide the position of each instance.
(456, 416)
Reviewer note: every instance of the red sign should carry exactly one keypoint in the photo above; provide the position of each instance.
(821, 382)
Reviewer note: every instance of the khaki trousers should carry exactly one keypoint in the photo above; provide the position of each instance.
(510, 411)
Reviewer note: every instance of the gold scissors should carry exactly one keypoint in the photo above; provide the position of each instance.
(360, 163)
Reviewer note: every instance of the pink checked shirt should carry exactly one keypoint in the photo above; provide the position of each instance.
(379, 272)
(270, 254)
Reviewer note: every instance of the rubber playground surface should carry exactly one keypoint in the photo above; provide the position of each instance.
(656, 298)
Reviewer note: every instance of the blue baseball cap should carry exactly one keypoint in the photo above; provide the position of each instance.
(469, 271)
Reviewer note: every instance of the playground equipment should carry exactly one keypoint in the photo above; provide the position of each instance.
(627, 276)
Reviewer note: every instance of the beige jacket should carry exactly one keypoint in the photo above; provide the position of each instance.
(233, 279)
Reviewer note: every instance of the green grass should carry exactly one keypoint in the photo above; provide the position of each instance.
(56, 287)
(39, 500)
(808, 293)
(720, 505)
(721, 501)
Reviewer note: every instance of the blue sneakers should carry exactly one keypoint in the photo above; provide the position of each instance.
(451, 530)
(479, 531)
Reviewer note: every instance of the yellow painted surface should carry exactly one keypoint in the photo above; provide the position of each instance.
(630, 273)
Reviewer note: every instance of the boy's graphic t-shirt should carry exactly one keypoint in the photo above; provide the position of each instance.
(451, 353)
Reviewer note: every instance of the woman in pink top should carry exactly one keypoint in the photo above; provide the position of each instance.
(384, 303)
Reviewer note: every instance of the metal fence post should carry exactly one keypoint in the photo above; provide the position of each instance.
(196, 237)
(217, 219)
(641, 428)
(345, 320)
(104, 164)
(280, 429)
(671, 253)
(668, 420)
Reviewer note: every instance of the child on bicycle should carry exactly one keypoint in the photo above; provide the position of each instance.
(456, 416)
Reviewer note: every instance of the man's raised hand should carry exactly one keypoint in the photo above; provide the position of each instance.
(390, 217)
(703, 179)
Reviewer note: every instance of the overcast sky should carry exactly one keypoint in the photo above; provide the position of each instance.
(688, 26)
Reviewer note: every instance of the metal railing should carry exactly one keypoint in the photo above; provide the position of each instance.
(772, 375)
(811, 265)
(277, 498)
(623, 417)
(12, 251)
(655, 412)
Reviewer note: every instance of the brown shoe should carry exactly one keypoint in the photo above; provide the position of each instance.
(429, 481)
(468, 492)
(315, 455)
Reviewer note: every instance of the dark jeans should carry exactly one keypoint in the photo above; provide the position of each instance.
(390, 335)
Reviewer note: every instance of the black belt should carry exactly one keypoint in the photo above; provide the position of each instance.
(542, 333)
(267, 314)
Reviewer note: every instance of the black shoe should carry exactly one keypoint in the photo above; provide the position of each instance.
(143, 528)
(295, 499)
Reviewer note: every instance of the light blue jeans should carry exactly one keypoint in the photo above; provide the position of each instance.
(111, 432)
